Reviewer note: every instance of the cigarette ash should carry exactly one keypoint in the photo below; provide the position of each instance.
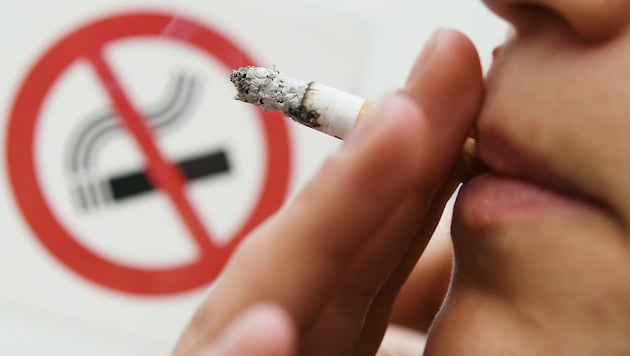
(268, 89)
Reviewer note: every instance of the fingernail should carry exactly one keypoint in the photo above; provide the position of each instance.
(427, 53)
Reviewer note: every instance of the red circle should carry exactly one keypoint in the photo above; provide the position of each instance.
(27, 187)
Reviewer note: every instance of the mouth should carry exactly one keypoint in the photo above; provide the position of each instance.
(516, 184)
(523, 177)
(503, 159)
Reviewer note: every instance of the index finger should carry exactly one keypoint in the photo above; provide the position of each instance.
(405, 144)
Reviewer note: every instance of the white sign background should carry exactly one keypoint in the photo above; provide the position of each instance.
(363, 47)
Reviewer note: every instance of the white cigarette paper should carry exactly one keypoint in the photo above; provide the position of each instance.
(323, 108)
(315, 105)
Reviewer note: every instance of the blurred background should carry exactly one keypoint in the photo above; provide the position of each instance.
(102, 251)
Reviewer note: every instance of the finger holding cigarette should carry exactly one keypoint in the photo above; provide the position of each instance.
(353, 233)
(323, 108)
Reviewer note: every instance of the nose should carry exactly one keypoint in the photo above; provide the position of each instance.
(589, 19)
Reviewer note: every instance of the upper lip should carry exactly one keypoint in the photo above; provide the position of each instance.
(504, 159)
(501, 156)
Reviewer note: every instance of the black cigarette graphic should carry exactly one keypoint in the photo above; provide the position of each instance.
(130, 184)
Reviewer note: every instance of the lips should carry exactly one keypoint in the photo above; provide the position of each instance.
(505, 160)
(521, 180)
(523, 169)
(518, 192)
(519, 184)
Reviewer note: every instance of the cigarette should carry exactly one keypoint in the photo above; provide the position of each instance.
(323, 108)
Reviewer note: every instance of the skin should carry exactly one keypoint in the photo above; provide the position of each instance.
(548, 274)
(541, 244)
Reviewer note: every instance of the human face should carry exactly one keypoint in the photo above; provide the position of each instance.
(542, 244)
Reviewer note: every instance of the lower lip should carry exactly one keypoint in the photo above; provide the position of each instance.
(488, 198)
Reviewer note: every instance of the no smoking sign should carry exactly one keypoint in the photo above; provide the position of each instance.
(123, 135)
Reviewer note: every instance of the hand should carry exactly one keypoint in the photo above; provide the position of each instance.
(335, 258)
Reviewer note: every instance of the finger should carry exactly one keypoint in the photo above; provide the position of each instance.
(340, 325)
(297, 258)
(429, 90)
(423, 293)
(262, 330)
(379, 314)
(433, 86)
(338, 328)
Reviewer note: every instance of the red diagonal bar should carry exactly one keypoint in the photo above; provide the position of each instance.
(164, 175)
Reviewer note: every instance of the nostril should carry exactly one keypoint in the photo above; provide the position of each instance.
(585, 20)
(496, 51)
(528, 18)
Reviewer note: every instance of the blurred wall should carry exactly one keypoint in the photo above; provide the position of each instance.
(104, 101)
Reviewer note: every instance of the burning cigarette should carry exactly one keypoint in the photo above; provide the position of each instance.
(323, 108)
